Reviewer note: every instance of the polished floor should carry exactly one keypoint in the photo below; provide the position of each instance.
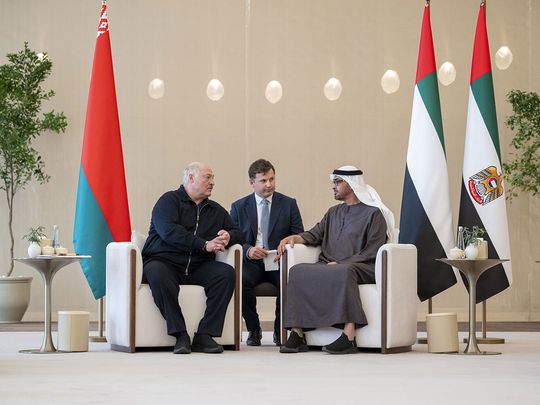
(264, 376)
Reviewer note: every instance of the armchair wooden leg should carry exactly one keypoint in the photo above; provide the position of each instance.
(133, 297)
(284, 280)
(237, 311)
(384, 303)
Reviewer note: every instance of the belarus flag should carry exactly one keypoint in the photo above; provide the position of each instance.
(482, 193)
(426, 216)
(102, 213)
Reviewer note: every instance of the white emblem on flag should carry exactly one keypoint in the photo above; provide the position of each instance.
(103, 25)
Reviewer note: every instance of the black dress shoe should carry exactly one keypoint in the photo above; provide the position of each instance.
(204, 343)
(276, 339)
(182, 345)
(254, 337)
(342, 345)
(294, 344)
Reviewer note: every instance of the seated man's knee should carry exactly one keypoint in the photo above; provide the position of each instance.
(155, 272)
(226, 272)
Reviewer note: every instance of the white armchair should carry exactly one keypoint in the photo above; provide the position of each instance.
(132, 318)
(389, 304)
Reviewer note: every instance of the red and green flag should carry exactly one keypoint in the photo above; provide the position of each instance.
(426, 215)
(483, 193)
(102, 212)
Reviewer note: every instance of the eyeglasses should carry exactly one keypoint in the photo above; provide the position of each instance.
(336, 182)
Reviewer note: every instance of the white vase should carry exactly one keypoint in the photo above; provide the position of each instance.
(471, 252)
(34, 249)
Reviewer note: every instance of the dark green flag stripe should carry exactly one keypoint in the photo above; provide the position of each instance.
(482, 89)
(429, 91)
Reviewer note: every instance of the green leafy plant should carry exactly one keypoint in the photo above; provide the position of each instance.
(21, 121)
(523, 168)
(35, 234)
(471, 236)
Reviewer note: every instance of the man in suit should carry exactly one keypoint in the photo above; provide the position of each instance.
(264, 217)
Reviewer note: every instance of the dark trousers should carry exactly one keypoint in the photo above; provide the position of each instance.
(253, 274)
(218, 280)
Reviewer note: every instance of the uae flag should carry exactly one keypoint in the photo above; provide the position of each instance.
(482, 200)
(102, 213)
(426, 216)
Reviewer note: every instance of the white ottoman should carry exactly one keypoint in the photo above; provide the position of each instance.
(442, 332)
(73, 331)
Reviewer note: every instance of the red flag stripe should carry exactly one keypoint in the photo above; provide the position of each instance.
(426, 54)
(481, 61)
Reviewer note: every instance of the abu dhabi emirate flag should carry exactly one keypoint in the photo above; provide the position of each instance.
(482, 190)
(102, 213)
(426, 216)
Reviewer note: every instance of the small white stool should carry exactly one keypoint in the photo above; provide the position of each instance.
(73, 331)
(442, 332)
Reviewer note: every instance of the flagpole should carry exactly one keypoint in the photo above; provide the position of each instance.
(423, 340)
(100, 338)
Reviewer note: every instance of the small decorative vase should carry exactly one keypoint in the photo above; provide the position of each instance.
(456, 253)
(34, 249)
(471, 252)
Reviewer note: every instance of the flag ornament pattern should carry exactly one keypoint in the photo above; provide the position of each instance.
(102, 212)
(426, 215)
(482, 201)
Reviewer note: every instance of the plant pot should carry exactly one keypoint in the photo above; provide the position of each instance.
(471, 252)
(14, 298)
(34, 250)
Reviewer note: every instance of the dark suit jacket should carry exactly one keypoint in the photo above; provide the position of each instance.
(284, 220)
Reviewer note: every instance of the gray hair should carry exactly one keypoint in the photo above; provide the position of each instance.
(191, 169)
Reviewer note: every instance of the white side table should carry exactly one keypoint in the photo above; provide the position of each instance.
(47, 266)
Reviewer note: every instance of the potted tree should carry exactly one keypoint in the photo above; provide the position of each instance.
(522, 170)
(21, 121)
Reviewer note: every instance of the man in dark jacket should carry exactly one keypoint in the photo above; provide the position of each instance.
(186, 231)
(260, 236)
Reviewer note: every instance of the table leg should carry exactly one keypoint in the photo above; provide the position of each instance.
(47, 346)
(472, 346)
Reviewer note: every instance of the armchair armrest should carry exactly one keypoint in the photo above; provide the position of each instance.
(395, 278)
(300, 254)
(294, 255)
(229, 255)
(123, 277)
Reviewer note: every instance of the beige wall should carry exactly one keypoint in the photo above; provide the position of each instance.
(245, 44)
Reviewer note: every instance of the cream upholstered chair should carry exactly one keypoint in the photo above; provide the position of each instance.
(389, 304)
(133, 320)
